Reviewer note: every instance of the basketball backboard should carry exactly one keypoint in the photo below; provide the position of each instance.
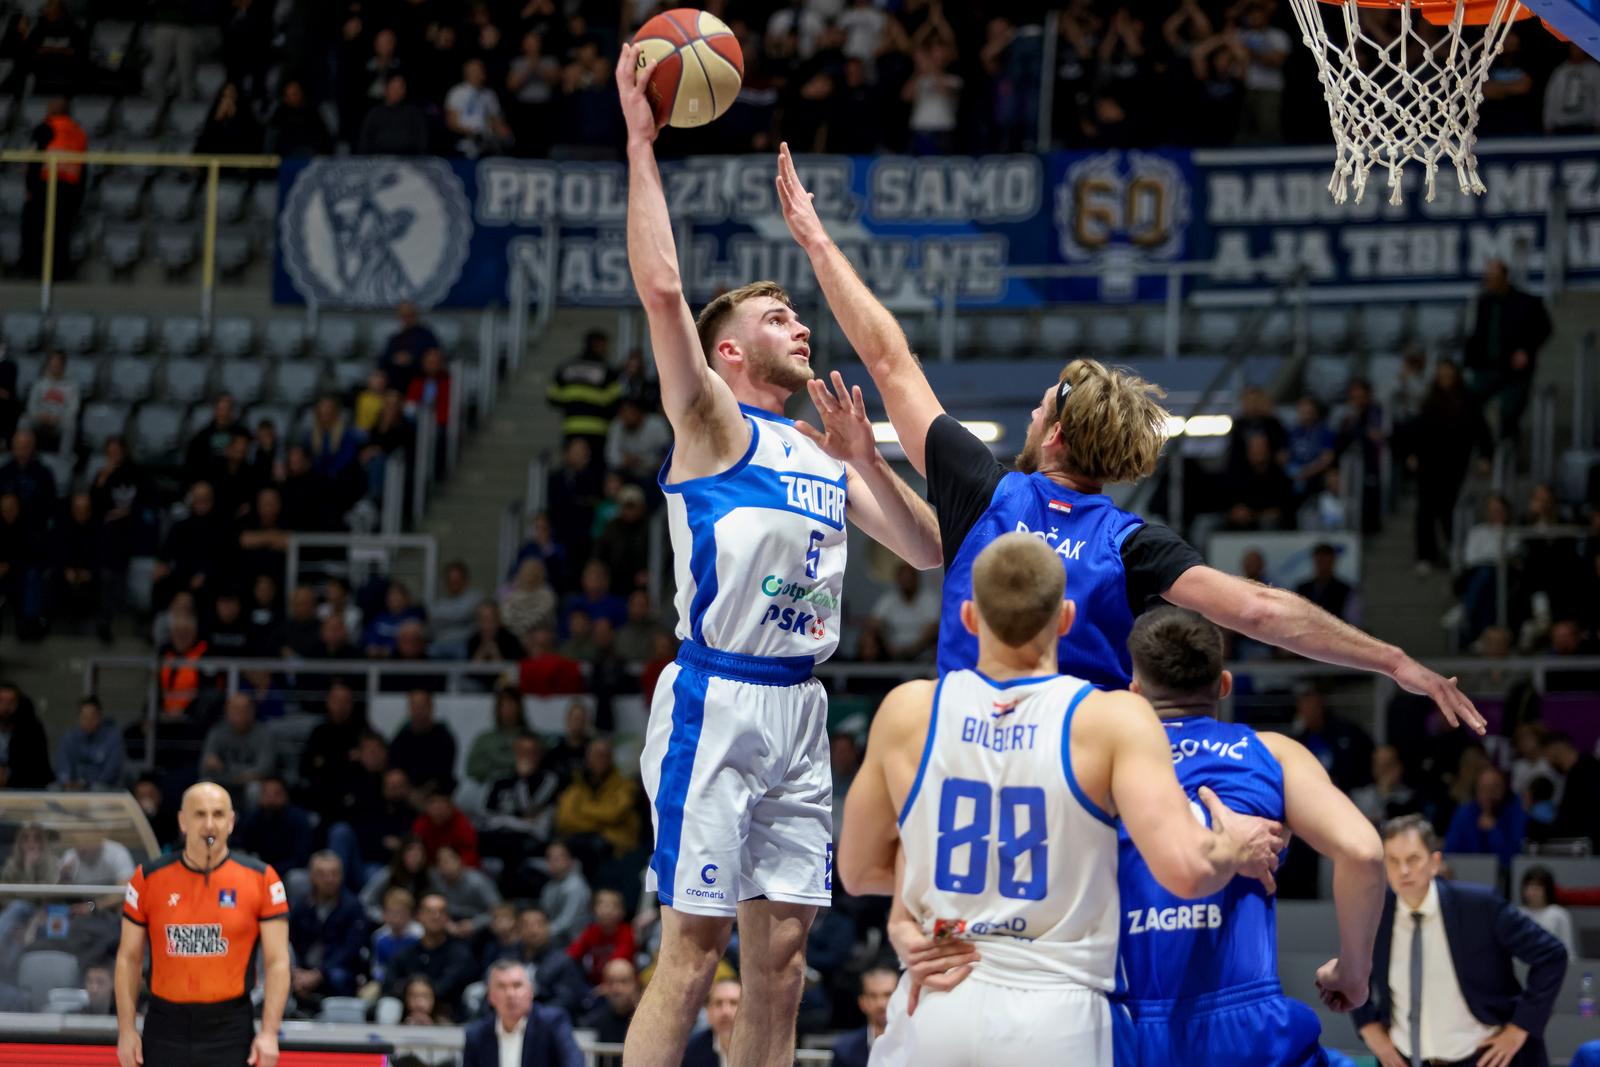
(1577, 20)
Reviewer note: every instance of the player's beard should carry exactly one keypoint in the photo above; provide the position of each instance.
(780, 369)
(1028, 458)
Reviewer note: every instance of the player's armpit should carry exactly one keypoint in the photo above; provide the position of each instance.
(868, 840)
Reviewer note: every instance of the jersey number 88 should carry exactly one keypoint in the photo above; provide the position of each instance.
(973, 837)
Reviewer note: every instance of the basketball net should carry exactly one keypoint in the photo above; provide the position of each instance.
(1410, 99)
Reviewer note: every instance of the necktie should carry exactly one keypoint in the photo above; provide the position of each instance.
(1416, 989)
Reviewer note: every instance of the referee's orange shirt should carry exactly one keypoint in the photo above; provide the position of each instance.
(203, 926)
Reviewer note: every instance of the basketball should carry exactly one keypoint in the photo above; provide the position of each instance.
(700, 66)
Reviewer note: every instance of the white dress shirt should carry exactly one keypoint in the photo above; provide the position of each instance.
(511, 1042)
(1449, 1030)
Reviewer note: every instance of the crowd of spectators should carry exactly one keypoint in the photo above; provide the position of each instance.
(535, 78)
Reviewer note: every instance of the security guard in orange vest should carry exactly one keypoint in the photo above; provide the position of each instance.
(58, 132)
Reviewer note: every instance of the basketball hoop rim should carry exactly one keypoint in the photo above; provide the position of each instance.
(1443, 12)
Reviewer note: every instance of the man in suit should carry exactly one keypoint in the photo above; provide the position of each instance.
(877, 986)
(519, 1033)
(1449, 948)
(710, 1047)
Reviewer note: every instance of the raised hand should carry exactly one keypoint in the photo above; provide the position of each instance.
(848, 437)
(798, 211)
(1456, 707)
(633, 74)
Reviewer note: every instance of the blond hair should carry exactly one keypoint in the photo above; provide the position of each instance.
(1017, 583)
(713, 318)
(1111, 424)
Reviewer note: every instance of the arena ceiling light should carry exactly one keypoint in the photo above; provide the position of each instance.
(983, 429)
(1199, 425)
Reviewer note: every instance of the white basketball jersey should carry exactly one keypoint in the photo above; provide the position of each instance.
(759, 549)
(1001, 846)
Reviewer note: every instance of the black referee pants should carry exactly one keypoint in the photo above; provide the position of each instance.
(198, 1035)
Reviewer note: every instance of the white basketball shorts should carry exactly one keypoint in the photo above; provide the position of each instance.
(981, 1024)
(737, 770)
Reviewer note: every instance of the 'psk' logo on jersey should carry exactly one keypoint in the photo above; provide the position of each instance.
(196, 939)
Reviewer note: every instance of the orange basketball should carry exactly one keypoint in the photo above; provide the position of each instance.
(700, 66)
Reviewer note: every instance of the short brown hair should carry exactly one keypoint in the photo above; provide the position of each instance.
(1112, 427)
(1176, 653)
(1405, 824)
(1017, 583)
(715, 315)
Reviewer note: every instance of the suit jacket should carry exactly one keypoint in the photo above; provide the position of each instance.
(851, 1049)
(546, 1042)
(701, 1051)
(1485, 935)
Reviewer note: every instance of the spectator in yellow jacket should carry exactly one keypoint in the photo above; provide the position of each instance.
(596, 811)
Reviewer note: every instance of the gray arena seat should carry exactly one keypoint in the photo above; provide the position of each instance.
(264, 200)
(1329, 327)
(85, 370)
(1000, 332)
(232, 337)
(138, 117)
(28, 368)
(209, 79)
(74, 332)
(295, 383)
(234, 251)
(1058, 332)
(451, 334)
(184, 120)
(180, 335)
(23, 331)
(13, 192)
(1383, 327)
(231, 193)
(93, 113)
(129, 378)
(1111, 331)
(110, 42)
(123, 246)
(177, 250)
(10, 248)
(244, 378)
(285, 338)
(378, 333)
(1440, 323)
(100, 421)
(281, 418)
(1216, 331)
(32, 112)
(1276, 332)
(351, 375)
(185, 381)
(41, 971)
(172, 198)
(337, 338)
(156, 433)
(126, 334)
(121, 195)
(1326, 377)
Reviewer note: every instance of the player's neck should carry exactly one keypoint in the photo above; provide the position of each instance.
(1076, 482)
(199, 861)
(1179, 708)
(763, 395)
(1003, 663)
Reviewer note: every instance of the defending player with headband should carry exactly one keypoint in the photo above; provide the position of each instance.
(1200, 978)
(1008, 829)
(1094, 426)
(756, 507)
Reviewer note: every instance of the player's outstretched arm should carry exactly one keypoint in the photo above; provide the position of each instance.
(1184, 856)
(1290, 621)
(872, 330)
(125, 984)
(887, 509)
(1321, 814)
(869, 839)
(691, 395)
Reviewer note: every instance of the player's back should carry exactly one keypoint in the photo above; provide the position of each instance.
(1200, 977)
(1001, 845)
(759, 548)
(1086, 530)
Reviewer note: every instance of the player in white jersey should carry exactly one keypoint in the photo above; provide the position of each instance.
(1001, 787)
(736, 753)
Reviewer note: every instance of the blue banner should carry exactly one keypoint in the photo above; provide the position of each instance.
(1016, 230)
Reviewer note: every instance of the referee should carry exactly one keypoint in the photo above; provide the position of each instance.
(1094, 426)
(203, 912)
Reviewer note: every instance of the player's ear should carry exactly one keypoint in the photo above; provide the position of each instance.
(1225, 685)
(727, 351)
(1135, 688)
(969, 617)
(1069, 612)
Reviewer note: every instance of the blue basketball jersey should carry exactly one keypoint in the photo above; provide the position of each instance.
(1086, 531)
(1178, 950)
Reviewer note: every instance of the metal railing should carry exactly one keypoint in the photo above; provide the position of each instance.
(212, 164)
(353, 544)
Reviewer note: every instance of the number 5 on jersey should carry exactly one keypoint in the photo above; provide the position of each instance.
(1021, 833)
(814, 553)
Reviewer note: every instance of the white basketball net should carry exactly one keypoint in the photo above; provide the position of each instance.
(1411, 98)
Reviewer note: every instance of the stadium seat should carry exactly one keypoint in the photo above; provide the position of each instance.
(1150, 331)
(41, 971)
(337, 338)
(243, 378)
(1440, 324)
(127, 334)
(233, 337)
(138, 117)
(85, 370)
(378, 333)
(23, 331)
(28, 368)
(285, 337)
(343, 1010)
(100, 421)
(1383, 327)
(121, 196)
(389, 1011)
(1111, 331)
(1216, 331)
(281, 418)
(450, 333)
(1329, 328)
(180, 335)
(1001, 333)
(93, 113)
(1326, 377)
(32, 112)
(156, 434)
(351, 375)
(124, 247)
(10, 248)
(73, 333)
(129, 378)
(13, 192)
(184, 120)
(209, 79)
(110, 42)
(67, 1001)
(231, 193)
(264, 200)
(1059, 332)
(185, 381)
(172, 198)
(295, 383)
(177, 250)
(1276, 333)
(234, 251)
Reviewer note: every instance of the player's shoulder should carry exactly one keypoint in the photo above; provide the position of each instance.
(1281, 747)
(908, 705)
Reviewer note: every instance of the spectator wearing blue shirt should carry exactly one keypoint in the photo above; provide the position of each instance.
(595, 598)
(327, 931)
(333, 441)
(275, 831)
(1311, 444)
(90, 754)
(400, 930)
(1491, 822)
(383, 629)
(403, 353)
